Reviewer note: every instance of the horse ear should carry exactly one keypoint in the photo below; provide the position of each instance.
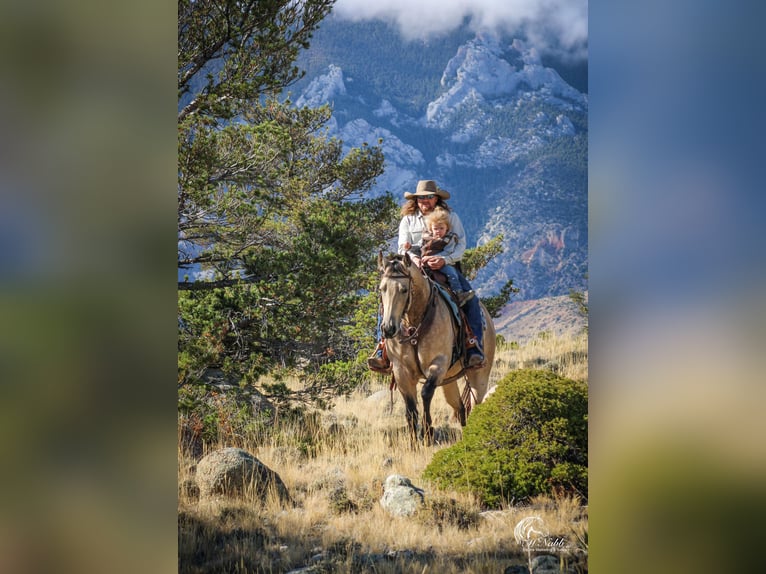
(380, 261)
(406, 259)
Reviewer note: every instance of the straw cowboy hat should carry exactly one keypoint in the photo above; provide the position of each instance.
(427, 187)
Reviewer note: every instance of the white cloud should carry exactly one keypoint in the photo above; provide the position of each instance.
(549, 25)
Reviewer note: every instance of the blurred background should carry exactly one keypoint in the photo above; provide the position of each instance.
(88, 294)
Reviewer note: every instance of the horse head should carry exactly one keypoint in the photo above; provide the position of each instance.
(395, 290)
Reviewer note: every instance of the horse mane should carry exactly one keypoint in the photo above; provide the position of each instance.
(394, 264)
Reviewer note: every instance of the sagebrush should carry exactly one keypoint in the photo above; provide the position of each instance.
(529, 438)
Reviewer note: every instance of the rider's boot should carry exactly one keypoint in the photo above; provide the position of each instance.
(378, 361)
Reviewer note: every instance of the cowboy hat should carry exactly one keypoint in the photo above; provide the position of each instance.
(427, 187)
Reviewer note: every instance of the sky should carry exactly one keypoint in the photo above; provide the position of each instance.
(557, 27)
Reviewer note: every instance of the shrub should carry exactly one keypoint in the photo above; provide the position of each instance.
(529, 438)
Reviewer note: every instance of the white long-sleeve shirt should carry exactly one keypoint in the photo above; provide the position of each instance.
(411, 229)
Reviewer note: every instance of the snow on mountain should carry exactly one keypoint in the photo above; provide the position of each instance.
(323, 89)
(482, 70)
(399, 156)
(390, 113)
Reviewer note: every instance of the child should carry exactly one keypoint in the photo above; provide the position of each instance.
(439, 241)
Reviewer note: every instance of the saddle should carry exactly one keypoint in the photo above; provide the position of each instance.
(468, 340)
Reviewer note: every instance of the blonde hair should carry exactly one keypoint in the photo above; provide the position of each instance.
(438, 215)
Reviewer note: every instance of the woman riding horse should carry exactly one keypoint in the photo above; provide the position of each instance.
(420, 204)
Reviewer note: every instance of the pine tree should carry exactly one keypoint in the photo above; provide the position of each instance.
(274, 230)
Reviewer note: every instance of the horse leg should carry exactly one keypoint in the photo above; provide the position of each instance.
(427, 394)
(452, 395)
(411, 406)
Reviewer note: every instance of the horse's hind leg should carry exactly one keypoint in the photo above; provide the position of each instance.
(452, 395)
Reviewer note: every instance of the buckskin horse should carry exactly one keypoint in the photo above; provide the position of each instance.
(423, 342)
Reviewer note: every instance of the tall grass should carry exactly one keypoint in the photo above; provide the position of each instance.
(334, 464)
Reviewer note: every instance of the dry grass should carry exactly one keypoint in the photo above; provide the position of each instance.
(337, 523)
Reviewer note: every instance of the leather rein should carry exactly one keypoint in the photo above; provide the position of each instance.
(411, 334)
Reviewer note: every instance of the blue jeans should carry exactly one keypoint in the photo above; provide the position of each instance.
(472, 310)
(453, 278)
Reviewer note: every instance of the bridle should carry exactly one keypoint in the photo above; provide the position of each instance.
(411, 334)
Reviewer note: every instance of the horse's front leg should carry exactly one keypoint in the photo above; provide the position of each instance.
(427, 394)
(410, 397)
(435, 375)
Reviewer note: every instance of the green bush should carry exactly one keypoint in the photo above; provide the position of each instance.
(530, 437)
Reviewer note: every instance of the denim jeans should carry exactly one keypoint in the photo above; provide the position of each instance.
(453, 278)
(472, 311)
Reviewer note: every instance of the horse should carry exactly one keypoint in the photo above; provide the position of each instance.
(421, 333)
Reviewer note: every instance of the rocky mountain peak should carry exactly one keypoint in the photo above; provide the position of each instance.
(492, 124)
(483, 70)
(323, 89)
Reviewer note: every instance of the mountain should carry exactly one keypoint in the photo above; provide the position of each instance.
(483, 116)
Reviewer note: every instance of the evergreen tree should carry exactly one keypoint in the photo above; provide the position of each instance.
(274, 230)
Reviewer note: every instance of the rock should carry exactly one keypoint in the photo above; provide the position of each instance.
(400, 497)
(233, 472)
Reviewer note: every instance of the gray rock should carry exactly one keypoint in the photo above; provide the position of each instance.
(233, 472)
(400, 497)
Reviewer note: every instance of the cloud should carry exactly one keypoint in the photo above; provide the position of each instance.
(555, 26)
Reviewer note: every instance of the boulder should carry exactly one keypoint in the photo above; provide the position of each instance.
(233, 472)
(400, 497)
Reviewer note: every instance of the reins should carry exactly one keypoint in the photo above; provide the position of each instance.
(413, 333)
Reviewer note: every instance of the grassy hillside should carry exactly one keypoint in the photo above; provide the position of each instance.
(525, 321)
(334, 464)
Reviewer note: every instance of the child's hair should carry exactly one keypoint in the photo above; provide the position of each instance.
(438, 215)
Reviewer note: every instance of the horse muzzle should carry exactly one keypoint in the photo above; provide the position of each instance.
(389, 329)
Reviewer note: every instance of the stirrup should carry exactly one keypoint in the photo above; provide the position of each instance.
(379, 365)
(378, 361)
(475, 359)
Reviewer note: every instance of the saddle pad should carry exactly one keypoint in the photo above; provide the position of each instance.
(452, 305)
